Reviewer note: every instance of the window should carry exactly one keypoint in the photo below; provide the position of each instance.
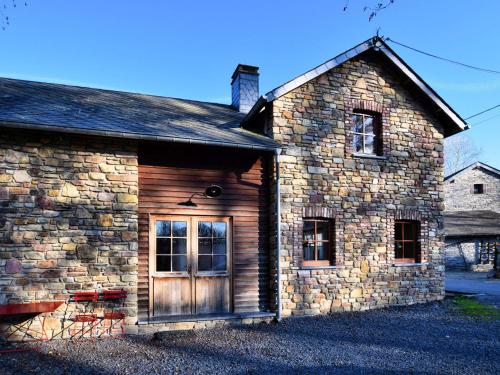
(406, 242)
(318, 242)
(171, 246)
(478, 189)
(366, 134)
(212, 246)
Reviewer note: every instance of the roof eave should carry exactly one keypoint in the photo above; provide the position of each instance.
(474, 165)
(457, 123)
(259, 104)
(132, 136)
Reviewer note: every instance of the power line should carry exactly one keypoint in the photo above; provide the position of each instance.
(485, 120)
(480, 113)
(445, 59)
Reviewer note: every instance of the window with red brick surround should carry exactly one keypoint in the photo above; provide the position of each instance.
(318, 243)
(406, 244)
(366, 133)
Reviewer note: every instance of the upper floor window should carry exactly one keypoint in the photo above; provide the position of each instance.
(366, 133)
(478, 188)
(318, 242)
(406, 243)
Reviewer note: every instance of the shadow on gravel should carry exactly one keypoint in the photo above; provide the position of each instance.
(35, 362)
(421, 339)
(396, 330)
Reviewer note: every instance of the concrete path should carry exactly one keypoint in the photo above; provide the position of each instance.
(486, 289)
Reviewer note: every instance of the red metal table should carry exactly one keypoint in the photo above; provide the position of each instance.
(19, 317)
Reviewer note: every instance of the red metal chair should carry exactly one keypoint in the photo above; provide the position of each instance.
(87, 321)
(112, 318)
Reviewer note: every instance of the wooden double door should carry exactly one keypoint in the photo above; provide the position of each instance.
(190, 265)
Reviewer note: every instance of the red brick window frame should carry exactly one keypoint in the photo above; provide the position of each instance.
(366, 107)
(318, 242)
(424, 225)
(366, 130)
(406, 241)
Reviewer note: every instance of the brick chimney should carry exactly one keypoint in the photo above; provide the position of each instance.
(245, 87)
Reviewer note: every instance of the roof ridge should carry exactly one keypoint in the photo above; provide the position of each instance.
(456, 122)
(477, 163)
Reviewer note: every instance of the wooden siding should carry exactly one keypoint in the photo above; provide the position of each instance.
(170, 174)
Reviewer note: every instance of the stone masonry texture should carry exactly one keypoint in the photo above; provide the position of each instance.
(363, 196)
(68, 220)
(68, 205)
(459, 191)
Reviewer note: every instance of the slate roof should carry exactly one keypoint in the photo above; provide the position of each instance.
(471, 223)
(475, 165)
(453, 122)
(83, 110)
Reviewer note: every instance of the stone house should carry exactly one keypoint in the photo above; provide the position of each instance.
(324, 195)
(472, 216)
(475, 187)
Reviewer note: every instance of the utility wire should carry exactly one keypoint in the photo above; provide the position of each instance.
(480, 113)
(485, 120)
(443, 58)
(458, 63)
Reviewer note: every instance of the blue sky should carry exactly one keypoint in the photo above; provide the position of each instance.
(189, 49)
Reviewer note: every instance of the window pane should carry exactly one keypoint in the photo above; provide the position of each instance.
(204, 262)
(179, 228)
(398, 249)
(309, 251)
(204, 246)
(204, 229)
(219, 262)
(322, 251)
(398, 234)
(179, 246)
(219, 246)
(369, 125)
(163, 246)
(163, 228)
(409, 251)
(357, 143)
(357, 121)
(219, 229)
(409, 231)
(322, 231)
(308, 230)
(163, 263)
(179, 263)
(369, 144)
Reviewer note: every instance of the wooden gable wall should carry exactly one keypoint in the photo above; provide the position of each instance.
(169, 174)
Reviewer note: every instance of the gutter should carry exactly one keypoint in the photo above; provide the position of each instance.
(132, 136)
(278, 234)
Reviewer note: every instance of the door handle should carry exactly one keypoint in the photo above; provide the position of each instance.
(189, 268)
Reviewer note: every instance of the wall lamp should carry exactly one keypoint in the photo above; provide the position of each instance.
(213, 191)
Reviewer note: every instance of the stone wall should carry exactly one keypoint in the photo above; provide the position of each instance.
(68, 219)
(459, 191)
(320, 173)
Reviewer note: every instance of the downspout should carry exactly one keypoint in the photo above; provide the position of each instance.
(278, 233)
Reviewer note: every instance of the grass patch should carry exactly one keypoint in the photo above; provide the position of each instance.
(471, 307)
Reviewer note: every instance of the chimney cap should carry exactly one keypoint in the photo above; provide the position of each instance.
(242, 68)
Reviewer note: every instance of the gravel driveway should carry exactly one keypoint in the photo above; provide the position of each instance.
(422, 339)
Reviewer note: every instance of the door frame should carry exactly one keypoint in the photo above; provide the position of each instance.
(192, 255)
